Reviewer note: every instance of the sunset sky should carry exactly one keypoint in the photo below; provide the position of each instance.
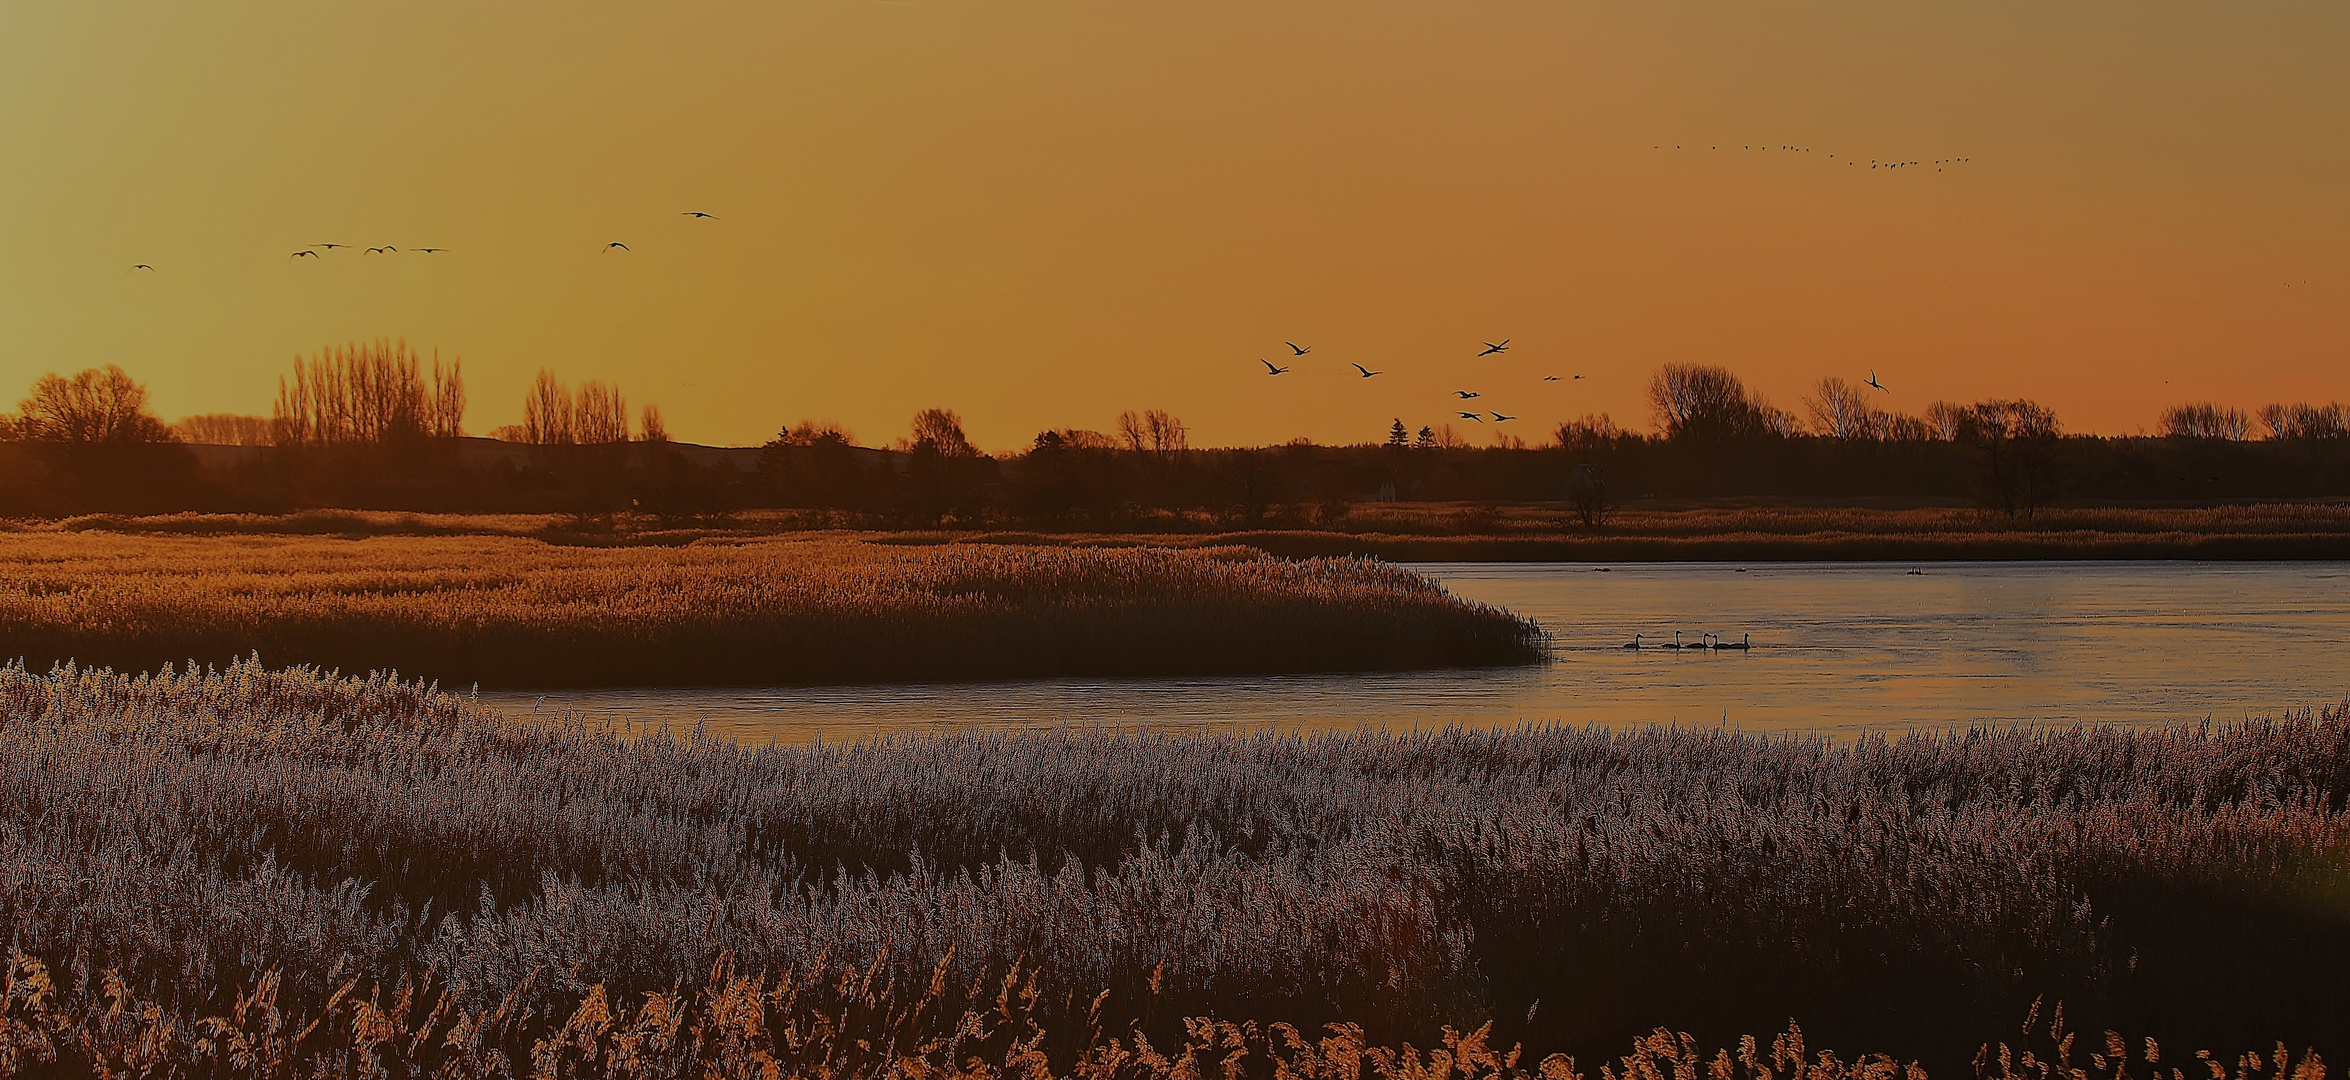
(1042, 212)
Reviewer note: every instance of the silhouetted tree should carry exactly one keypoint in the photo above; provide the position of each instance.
(1702, 402)
(2016, 446)
(548, 413)
(96, 405)
(226, 429)
(600, 415)
(2306, 421)
(2206, 420)
(92, 445)
(368, 394)
(1842, 410)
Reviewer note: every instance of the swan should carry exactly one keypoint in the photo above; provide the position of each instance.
(1632, 644)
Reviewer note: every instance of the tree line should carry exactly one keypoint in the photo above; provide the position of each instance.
(380, 426)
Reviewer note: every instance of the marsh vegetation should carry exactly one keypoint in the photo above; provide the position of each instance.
(512, 611)
(277, 848)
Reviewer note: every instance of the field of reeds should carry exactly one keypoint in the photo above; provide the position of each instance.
(284, 868)
(513, 611)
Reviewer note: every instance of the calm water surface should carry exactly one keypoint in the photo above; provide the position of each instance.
(1838, 649)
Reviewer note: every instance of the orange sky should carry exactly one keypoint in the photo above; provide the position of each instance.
(1041, 212)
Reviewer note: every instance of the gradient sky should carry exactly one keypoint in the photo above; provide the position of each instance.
(1042, 212)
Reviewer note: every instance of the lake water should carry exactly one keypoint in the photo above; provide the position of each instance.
(1837, 649)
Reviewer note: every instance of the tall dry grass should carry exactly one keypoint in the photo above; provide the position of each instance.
(206, 837)
(512, 611)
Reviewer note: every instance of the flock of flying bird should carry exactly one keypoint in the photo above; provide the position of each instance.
(1939, 164)
(314, 251)
(1491, 348)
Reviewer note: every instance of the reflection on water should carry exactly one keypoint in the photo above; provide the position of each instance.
(1838, 648)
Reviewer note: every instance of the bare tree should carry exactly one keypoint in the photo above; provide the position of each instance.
(1587, 434)
(1841, 410)
(448, 398)
(97, 405)
(600, 415)
(2305, 421)
(368, 394)
(1701, 401)
(547, 413)
(2016, 444)
(943, 430)
(226, 429)
(650, 428)
(1167, 434)
(2206, 420)
(1951, 421)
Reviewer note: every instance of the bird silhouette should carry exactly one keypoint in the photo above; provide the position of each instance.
(142, 266)
(329, 247)
(429, 251)
(1467, 394)
(1873, 381)
(1472, 416)
(1635, 642)
(1491, 348)
(1676, 642)
(1296, 349)
(1550, 378)
(1367, 372)
(1270, 367)
(1742, 644)
(699, 214)
(616, 244)
(1500, 419)
(303, 252)
(1578, 377)
(386, 249)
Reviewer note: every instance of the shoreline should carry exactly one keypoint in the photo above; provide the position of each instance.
(1464, 532)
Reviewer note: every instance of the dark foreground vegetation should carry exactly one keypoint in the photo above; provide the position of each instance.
(256, 870)
(515, 611)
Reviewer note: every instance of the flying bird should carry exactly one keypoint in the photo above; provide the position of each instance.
(386, 249)
(329, 247)
(1491, 348)
(429, 251)
(304, 251)
(1467, 394)
(1578, 376)
(1472, 416)
(1550, 378)
(1367, 372)
(699, 214)
(1272, 368)
(616, 244)
(1297, 349)
(143, 266)
(1873, 381)
(1499, 418)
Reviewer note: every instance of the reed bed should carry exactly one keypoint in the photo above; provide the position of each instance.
(246, 843)
(513, 611)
